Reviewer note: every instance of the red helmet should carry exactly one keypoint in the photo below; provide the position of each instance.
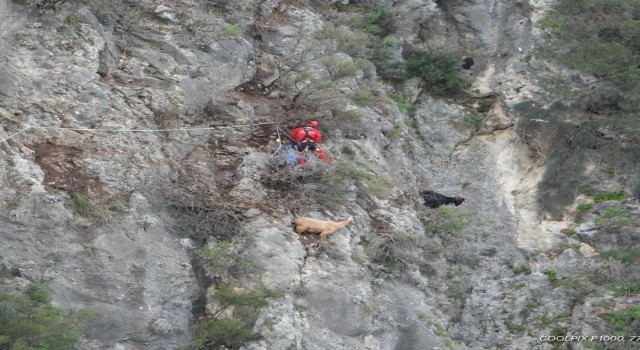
(313, 123)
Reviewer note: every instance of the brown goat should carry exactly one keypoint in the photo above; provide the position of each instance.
(324, 228)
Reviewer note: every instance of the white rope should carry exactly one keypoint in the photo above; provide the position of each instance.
(19, 132)
(279, 143)
(128, 130)
(148, 130)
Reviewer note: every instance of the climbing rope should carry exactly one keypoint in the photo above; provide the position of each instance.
(130, 130)
(279, 143)
(16, 134)
(279, 140)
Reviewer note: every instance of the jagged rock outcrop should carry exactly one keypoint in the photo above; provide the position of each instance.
(110, 211)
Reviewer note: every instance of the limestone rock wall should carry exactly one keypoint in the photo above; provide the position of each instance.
(100, 215)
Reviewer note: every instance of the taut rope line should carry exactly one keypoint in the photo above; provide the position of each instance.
(130, 130)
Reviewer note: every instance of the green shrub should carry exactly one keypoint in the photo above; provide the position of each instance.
(236, 331)
(438, 69)
(222, 333)
(33, 323)
(82, 203)
(218, 257)
(558, 331)
(551, 275)
(221, 259)
(448, 221)
(378, 21)
(39, 292)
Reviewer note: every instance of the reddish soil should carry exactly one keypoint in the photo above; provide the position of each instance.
(60, 170)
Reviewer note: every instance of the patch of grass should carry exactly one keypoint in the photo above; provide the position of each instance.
(395, 132)
(369, 182)
(474, 118)
(631, 288)
(352, 42)
(550, 20)
(353, 116)
(528, 309)
(431, 246)
(229, 30)
(609, 196)
(587, 191)
(613, 217)
(394, 265)
(486, 235)
(584, 208)
(359, 259)
(621, 256)
(624, 322)
(491, 251)
(363, 98)
(449, 343)
(403, 102)
(73, 20)
(514, 328)
(522, 269)
(83, 205)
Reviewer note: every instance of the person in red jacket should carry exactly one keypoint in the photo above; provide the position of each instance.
(306, 139)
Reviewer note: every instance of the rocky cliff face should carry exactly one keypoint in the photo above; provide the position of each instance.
(112, 214)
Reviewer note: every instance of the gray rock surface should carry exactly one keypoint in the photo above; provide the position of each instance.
(104, 217)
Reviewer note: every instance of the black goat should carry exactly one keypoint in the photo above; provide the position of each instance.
(434, 200)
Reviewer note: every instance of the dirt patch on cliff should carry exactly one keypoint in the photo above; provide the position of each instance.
(60, 170)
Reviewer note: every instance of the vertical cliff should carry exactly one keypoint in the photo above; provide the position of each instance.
(144, 185)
